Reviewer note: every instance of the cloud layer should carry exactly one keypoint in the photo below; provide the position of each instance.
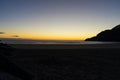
(15, 35)
(2, 32)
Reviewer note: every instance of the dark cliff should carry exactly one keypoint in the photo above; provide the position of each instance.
(107, 35)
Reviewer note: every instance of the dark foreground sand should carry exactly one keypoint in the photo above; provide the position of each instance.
(69, 62)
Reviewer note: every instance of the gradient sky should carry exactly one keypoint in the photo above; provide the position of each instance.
(57, 19)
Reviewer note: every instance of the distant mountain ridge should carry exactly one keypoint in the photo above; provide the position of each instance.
(107, 35)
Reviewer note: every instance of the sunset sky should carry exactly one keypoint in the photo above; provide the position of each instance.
(57, 19)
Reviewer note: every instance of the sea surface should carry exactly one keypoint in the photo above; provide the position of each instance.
(72, 42)
(18, 41)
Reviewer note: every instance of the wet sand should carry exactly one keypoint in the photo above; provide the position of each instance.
(69, 62)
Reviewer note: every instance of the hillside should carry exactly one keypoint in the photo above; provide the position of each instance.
(107, 35)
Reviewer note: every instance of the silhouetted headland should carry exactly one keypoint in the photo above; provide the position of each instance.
(107, 35)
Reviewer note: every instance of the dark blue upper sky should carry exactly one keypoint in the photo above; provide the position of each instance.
(66, 19)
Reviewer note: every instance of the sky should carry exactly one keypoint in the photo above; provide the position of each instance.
(57, 19)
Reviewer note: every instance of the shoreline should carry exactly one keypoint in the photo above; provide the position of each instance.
(66, 46)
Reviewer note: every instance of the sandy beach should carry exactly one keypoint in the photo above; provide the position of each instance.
(67, 46)
(69, 62)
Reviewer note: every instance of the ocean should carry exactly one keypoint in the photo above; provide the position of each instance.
(23, 41)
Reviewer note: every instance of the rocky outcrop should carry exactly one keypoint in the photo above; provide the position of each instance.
(107, 35)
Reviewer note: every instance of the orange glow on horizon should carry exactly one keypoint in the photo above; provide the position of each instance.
(51, 37)
(47, 37)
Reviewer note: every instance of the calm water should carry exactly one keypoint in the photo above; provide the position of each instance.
(73, 42)
(67, 42)
(54, 42)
